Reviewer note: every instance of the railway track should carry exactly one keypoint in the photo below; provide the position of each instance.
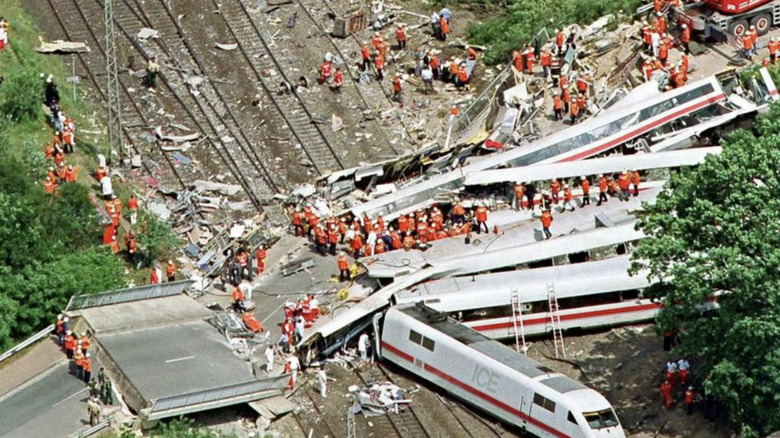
(125, 21)
(158, 15)
(135, 122)
(290, 105)
(318, 428)
(406, 423)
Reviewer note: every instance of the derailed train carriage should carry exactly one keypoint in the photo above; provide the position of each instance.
(492, 377)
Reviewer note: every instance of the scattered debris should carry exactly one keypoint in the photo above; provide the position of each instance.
(174, 138)
(336, 123)
(60, 46)
(228, 47)
(225, 189)
(147, 33)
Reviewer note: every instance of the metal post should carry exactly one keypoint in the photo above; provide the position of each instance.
(73, 79)
(112, 91)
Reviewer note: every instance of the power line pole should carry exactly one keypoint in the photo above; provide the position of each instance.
(114, 107)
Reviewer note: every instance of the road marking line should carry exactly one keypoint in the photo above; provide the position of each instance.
(273, 312)
(179, 359)
(70, 397)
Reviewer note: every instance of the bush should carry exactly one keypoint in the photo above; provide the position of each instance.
(155, 239)
(17, 102)
(525, 19)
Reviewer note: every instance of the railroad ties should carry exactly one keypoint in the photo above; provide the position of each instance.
(313, 141)
(404, 424)
(77, 27)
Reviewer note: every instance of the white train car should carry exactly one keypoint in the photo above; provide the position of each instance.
(590, 295)
(492, 377)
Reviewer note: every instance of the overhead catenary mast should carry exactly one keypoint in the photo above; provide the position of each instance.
(112, 90)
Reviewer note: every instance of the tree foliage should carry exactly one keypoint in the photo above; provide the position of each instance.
(156, 237)
(524, 19)
(48, 251)
(17, 103)
(717, 229)
(184, 428)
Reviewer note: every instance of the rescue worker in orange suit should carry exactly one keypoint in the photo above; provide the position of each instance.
(585, 184)
(773, 45)
(557, 107)
(84, 342)
(395, 240)
(262, 253)
(458, 213)
(86, 364)
(366, 54)
(356, 245)
(685, 38)
(333, 238)
(690, 396)
(49, 186)
(546, 61)
(297, 222)
(517, 60)
(72, 174)
(380, 248)
(666, 394)
(397, 87)
(70, 344)
(462, 81)
(400, 36)
(602, 190)
(445, 28)
(658, 6)
(529, 59)
(660, 23)
(636, 178)
(78, 362)
(623, 183)
(170, 271)
(379, 65)
(560, 38)
(519, 195)
(108, 232)
(753, 37)
(132, 245)
(343, 264)
(747, 46)
(574, 111)
(338, 80)
(482, 214)
(547, 220)
(238, 298)
(555, 189)
(663, 52)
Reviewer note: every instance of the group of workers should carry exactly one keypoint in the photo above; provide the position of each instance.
(63, 142)
(625, 185)
(76, 348)
(658, 44)
(676, 373)
(113, 208)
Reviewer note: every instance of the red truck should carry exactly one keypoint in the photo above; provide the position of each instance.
(721, 18)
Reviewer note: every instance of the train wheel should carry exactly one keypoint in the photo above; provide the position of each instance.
(738, 27)
(762, 23)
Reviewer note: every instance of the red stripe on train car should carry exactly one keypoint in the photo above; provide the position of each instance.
(640, 131)
(492, 400)
(569, 317)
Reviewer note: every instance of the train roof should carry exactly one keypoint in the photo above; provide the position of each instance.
(493, 349)
(490, 290)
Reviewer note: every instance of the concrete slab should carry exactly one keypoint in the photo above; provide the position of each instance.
(150, 313)
(175, 359)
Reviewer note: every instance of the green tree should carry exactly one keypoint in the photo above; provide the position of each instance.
(185, 428)
(717, 229)
(156, 237)
(17, 103)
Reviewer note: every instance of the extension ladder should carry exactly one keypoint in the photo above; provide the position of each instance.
(555, 320)
(517, 320)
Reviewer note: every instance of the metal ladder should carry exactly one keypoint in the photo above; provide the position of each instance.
(517, 320)
(555, 321)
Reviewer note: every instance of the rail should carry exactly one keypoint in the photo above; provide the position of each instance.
(216, 397)
(95, 429)
(310, 136)
(27, 342)
(78, 302)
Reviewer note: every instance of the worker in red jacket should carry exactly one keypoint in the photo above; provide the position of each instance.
(262, 253)
(690, 396)
(356, 245)
(546, 61)
(585, 184)
(547, 220)
(555, 189)
(623, 183)
(338, 80)
(602, 190)
(343, 264)
(238, 298)
(325, 71)
(666, 394)
(482, 214)
(400, 36)
(685, 39)
(170, 271)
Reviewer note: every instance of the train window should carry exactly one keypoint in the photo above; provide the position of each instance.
(428, 343)
(601, 419)
(415, 337)
(544, 402)
(571, 418)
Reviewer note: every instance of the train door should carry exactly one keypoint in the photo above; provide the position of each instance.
(525, 411)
